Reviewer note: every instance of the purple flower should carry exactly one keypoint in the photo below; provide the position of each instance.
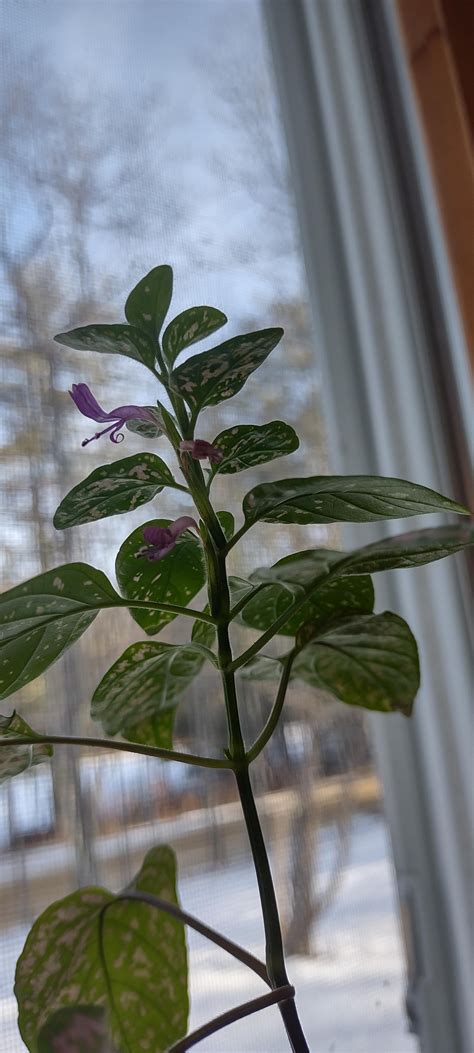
(200, 450)
(82, 395)
(160, 540)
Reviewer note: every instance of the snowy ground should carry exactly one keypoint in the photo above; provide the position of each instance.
(350, 995)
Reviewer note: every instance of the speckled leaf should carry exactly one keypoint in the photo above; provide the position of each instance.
(126, 957)
(203, 632)
(112, 340)
(227, 522)
(369, 661)
(174, 579)
(16, 759)
(114, 488)
(79, 1030)
(146, 428)
(248, 445)
(188, 327)
(293, 575)
(218, 374)
(155, 731)
(42, 617)
(147, 679)
(262, 667)
(148, 303)
(407, 550)
(342, 499)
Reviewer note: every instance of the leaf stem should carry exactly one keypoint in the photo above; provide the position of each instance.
(129, 747)
(274, 717)
(237, 536)
(280, 994)
(232, 948)
(277, 624)
(250, 595)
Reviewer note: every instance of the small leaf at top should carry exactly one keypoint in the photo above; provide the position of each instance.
(343, 499)
(370, 660)
(114, 488)
(148, 303)
(15, 759)
(125, 956)
(188, 327)
(42, 617)
(218, 374)
(147, 679)
(248, 445)
(112, 340)
(80, 1029)
(407, 550)
(174, 579)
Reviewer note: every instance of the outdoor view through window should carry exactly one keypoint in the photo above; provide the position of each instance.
(135, 134)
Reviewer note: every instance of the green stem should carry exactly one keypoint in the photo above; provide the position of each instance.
(219, 603)
(129, 747)
(268, 635)
(250, 595)
(255, 1005)
(274, 717)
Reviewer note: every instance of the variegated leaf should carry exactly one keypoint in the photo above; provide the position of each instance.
(15, 759)
(125, 957)
(112, 340)
(147, 679)
(344, 499)
(188, 327)
(148, 303)
(247, 445)
(114, 488)
(174, 579)
(44, 616)
(218, 374)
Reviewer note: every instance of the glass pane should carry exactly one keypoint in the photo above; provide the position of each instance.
(135, 134)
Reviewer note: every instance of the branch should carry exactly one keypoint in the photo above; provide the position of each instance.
(281, 994)
(188, 919)
(129, 747)
(274, 717)
(277, 624)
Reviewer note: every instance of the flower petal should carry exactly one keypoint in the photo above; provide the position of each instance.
(83, 398)
(181, 524)
(156, 535)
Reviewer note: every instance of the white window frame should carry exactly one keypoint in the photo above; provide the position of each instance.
(390, 342)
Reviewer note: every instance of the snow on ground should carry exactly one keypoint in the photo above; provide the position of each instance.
(350, 995)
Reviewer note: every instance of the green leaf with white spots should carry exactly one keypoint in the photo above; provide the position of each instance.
(114, 488)
(148, 303)
(154, 731)
(112, 340)
(218, 374)
(82, 1029)
(190, 326)
(342, 499)
(204, 632)
(146, 428)
(123, 956)
(149, 678)
(44, 616)
(14, 759)
(248, 445)
(370, 661)
(227, 523)
(292, 576)
(407, 550)
(174, 579)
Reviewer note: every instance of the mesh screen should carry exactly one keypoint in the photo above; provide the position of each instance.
(137, 133)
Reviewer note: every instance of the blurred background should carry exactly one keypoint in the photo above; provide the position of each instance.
(135, 134)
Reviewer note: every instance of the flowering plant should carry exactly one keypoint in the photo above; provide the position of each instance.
(109, 972)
